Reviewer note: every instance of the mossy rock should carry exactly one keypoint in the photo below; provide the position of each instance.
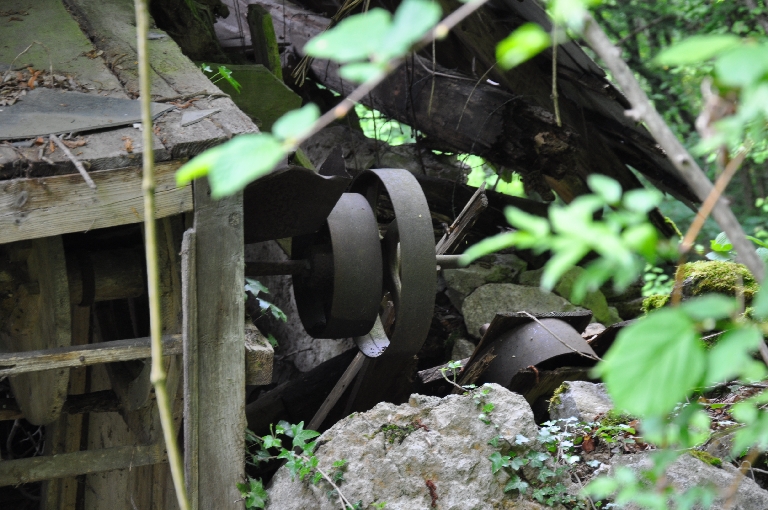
(726, 278)
(706, 457)
(654, 302)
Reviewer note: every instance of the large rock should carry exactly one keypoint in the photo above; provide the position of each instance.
(394, 450)
(594, 300)
(582, 400)
(688, 471)
(496, 268)
(483, 304)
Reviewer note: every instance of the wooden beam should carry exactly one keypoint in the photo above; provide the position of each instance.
(190, 366)
(79, 356)
(34, 208)
(34, 469)
(220, 335)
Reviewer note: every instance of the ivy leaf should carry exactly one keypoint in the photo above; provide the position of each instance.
(498, 461)
(300, 436)
(696, 49)
(524, 43)
(296, 123)
(654, 363)
(368, 30)
(516, 483)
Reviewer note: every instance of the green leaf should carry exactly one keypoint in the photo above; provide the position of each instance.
(742, 66)
(609, 189)
(641, 200)
(560, 263)
(227, 75)
(516, 483)
(360, 72)
(486, 246)
(730, 357)
(355, 38)
(255, 286)
(413, 19)
(721, 243)
(760, 303)
(296, 123)
(498, 461)
(711, 306)
(524, 43)
(654, 363)
(247, 158)
(641, 239)
(757, 241)
(522, 220)
(300, 436)
(601, 487)
(696, 49)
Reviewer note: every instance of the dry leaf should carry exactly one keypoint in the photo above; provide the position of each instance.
(39, 140)
(588, 445)
(128, 144)
(74, 143)
(51, 147)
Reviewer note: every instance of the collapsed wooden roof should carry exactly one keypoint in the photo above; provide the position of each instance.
(462, 102)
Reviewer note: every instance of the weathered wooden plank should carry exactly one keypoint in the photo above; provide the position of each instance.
(33, 208)
(111, 27)
(65, 434)
(220, 331)
(79, 356)
(265, 50)
(42, 321)
(191, 366)
(15, 472)
(67, 49)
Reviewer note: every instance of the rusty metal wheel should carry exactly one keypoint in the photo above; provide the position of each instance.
(338, 295)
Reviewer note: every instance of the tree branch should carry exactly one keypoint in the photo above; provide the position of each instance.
(689, 170)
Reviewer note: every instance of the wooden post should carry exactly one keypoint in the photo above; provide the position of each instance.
(220, 338)
(191, 365)
(263, 38)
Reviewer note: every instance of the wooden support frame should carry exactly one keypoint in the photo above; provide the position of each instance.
(35, 469)
(46, 206)
(219, 274)
(16, 363)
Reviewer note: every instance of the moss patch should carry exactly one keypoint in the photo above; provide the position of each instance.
(555, 400)
(396, 433)
(615, 418)
(715, 276)
(706, 457)
(655, 301)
